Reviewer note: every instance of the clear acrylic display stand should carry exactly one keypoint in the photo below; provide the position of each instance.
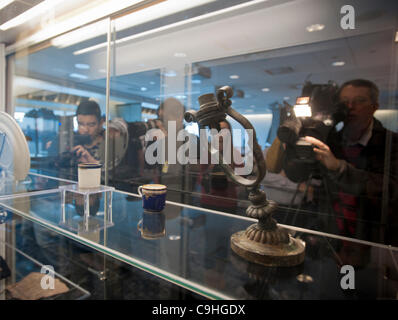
(87, 220)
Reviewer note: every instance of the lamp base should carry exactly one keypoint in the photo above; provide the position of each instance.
(271, 255)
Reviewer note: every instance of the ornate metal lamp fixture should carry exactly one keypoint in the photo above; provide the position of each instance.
(264, 242)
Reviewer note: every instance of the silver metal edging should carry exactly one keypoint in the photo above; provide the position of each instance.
(28, 194)
(51, 177)
(107, 94)
(201, 290)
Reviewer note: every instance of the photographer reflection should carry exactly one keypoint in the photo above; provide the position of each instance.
(87, 145)
(90, 132)
(157, 167)
(86, 141)
(358, 188)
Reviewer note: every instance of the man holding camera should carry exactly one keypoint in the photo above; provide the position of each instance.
(90, 126)
(361, 162)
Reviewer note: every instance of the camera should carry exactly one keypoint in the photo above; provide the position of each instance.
(316, 113)
(69, 158)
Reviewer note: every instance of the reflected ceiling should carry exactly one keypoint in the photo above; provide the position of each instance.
(255, 44)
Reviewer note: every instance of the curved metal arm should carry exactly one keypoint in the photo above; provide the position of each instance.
(211, 113)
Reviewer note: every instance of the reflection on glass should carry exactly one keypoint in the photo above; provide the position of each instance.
(163, 55)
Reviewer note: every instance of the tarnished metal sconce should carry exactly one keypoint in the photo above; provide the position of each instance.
(264, 242)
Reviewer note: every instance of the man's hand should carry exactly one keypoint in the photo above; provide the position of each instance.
(83, 155)
(324, 155)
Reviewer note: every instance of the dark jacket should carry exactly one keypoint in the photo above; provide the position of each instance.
(374, 181)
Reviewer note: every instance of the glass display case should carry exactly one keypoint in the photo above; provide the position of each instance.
(194, 250)
(115, 90)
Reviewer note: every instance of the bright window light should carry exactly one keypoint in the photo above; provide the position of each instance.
(5, 3)
(81, 34)
(75, 124)
(136, 18)
(167, 27)
(192, 128)
(27, 15)
(19, 116)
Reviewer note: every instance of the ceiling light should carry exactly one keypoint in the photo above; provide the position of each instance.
(5, 3)
(170, 73)
(234, 76)
(88, 32)
(180, 55)
(286, 98)
(265, 89)
(95, 13)
(338, 63)
(136, 18)
(30, 14)
(143, 89)
(210, 15)
(396, 36)
(152, 82)
(78, 76)
(82, 66)
(315, 27)
(196, 81)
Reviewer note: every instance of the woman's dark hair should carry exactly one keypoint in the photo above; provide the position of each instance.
(88, 108)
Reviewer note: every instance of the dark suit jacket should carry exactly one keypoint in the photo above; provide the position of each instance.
(374, 180)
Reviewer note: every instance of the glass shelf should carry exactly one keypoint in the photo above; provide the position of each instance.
(195, 250)
(32, 184)
(24, 266)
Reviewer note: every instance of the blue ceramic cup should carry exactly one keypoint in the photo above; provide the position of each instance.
(152, 225)
(153, 196)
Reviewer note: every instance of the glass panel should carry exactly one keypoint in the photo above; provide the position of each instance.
(49, 85)
(25, 247)
(165, 56)
(170, 60)
(191, 248)
(32, 184)
(28, 250)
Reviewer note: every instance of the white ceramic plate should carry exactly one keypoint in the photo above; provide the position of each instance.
(14, 150)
